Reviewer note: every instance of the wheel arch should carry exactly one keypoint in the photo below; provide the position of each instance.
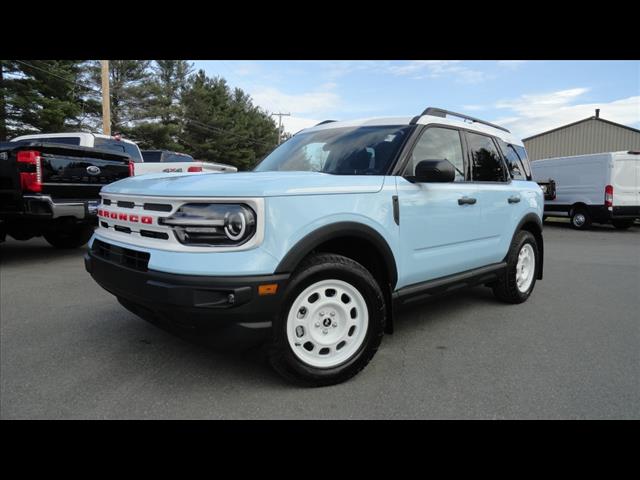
(532, 223)
(357, 241)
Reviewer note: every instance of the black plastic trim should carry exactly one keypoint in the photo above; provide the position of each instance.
(419, 291)
(341, 229)
(533, 218)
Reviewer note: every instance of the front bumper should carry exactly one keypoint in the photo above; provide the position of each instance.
(202, 302)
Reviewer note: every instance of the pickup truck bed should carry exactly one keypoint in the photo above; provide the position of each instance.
(52, 189)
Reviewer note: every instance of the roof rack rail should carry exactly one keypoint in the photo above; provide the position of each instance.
(325, 121)
(440, 112)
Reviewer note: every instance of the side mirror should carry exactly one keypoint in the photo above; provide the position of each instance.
(435, 171)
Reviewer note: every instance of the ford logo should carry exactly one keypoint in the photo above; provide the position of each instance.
(93, 170)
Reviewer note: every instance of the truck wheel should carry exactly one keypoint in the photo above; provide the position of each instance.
(580, 219)
(517, 281)
(70, 237)
(331, 323)
(622, 224)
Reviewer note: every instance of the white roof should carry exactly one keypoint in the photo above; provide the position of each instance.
(82, 135)
(423, 120)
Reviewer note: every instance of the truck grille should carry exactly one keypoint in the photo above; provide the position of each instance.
(121, 256)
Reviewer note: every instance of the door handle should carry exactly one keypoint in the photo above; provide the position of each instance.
(466, 201)
(514, 199)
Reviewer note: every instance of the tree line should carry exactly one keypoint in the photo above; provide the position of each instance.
(160, 104)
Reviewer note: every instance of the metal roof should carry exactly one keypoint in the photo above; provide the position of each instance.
(582, 121)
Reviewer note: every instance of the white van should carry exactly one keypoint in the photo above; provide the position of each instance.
(598, 188)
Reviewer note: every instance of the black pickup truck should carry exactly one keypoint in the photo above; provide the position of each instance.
(51, 189)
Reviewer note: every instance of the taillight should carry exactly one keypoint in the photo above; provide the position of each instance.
(608, 196)
(194, 169)
(131, 169)
(31, 181)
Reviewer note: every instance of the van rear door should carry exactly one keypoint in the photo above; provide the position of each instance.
(625, 179)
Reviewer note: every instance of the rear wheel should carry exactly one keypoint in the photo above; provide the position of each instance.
(580, 219)
(518, 279)
(72, 237)
(622, 224)
(331, 324)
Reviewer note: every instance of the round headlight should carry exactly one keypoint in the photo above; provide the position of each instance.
(235, 225)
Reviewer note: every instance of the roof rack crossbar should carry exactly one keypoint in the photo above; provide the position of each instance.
(439, 112)
(325, 121)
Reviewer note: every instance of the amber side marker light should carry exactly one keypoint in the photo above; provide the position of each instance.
(268, 289)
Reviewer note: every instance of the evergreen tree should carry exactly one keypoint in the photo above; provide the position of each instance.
(225, 126)
(130, 91)
(41, 96)
(162, 122)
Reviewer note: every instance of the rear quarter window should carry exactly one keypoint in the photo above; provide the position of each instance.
(524, 158)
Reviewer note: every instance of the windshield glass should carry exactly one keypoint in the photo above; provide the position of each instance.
(340, 151)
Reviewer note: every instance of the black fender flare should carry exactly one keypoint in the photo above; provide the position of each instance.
(535, 219)
(335, 230)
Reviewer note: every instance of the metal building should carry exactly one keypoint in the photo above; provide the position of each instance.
(591, 135)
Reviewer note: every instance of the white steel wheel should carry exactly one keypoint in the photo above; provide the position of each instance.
(525, 268)
(327, 323)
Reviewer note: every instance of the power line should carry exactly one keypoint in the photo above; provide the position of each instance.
(95, 92)
(196, 122)
(280, 115)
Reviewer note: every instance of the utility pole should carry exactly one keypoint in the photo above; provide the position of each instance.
(280, 115)
(106, 104)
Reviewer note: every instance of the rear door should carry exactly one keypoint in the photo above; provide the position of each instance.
(499, 197)
(439, 222)
(625, 180)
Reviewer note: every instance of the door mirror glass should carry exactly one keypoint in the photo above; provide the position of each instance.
(434, 171)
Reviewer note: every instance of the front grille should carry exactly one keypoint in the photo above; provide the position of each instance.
(121, 256)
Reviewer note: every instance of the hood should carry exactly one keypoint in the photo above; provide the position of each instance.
(245, 184)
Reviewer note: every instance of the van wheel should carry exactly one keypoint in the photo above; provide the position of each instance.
(70, 237)
(516, 283)
(622, 224)
(580, 219)
(331, 323)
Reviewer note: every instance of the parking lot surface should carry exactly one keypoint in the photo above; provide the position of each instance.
(69, 350)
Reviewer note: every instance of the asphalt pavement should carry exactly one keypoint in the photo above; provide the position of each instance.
(69, 350)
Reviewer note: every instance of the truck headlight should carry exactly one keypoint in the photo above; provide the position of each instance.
(212, 224)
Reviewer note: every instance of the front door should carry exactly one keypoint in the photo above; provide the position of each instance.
(439, 222)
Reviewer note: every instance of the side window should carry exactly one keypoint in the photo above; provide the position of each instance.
(513, 161)
(524, 158)
(438, 144)
(486, 165)
(152, 156)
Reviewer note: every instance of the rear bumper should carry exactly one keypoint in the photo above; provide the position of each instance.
(202, 302)
(44, 207)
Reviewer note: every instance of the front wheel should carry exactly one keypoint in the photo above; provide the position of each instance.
(73, 237)
(331, 323)
(518, 279)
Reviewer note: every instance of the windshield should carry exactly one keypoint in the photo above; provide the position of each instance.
(340, 151)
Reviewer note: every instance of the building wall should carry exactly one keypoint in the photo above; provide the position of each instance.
(592, 136)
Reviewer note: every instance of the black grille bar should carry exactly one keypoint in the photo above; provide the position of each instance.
(121, 256)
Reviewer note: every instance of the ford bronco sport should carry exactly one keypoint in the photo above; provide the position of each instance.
(328, 237)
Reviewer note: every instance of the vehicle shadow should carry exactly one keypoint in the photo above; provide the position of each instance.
(596, 227)
(13, 252)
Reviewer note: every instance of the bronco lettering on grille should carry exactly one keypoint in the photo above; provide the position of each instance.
(126, 217)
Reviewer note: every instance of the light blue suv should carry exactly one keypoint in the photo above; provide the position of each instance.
(333, 232)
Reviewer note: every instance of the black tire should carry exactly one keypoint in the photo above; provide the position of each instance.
(580, 218)
(622, 224)
(506, 288)
(73, 237)
(316, 268)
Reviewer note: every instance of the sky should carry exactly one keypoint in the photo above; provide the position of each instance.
(527, 97)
